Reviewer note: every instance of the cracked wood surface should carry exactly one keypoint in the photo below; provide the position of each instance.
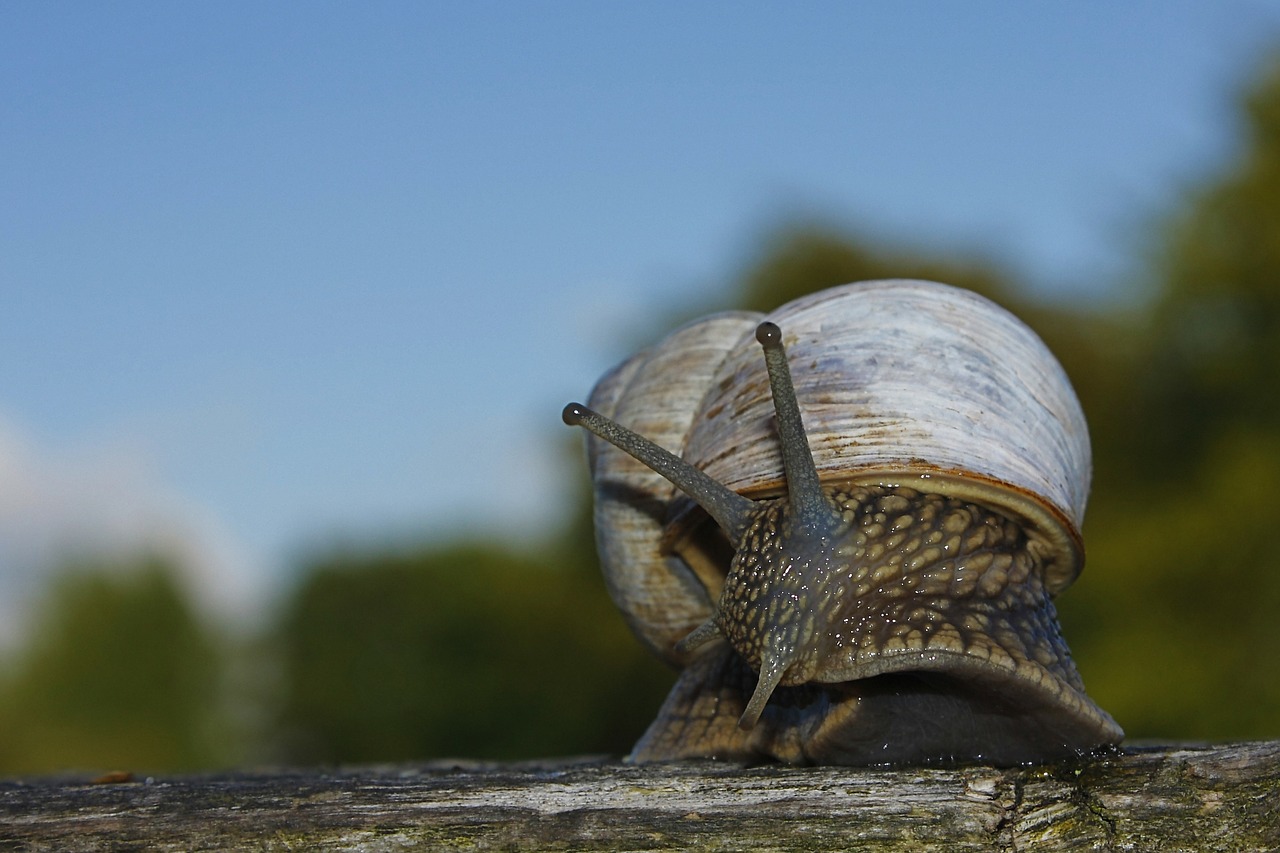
(1169, 799)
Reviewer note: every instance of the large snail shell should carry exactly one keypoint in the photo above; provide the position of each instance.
(922, 394)
(900, 382)
(911, 383)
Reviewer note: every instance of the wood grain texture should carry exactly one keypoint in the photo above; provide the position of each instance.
(1171, 799)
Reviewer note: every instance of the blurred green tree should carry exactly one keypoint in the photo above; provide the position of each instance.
(1178, 607)
(118, 674)
(460, 651)
(1215, 355)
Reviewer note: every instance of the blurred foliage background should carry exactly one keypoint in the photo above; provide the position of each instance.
(493, 650)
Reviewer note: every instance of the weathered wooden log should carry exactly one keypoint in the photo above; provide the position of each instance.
(1168, 799)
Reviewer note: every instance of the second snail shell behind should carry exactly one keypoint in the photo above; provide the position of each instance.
(891, 530)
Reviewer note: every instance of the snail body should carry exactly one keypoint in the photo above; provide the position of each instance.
(853, 551)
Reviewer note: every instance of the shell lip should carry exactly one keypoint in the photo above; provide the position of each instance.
(1065, 555)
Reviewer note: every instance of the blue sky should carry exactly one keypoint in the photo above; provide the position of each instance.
(273, 275)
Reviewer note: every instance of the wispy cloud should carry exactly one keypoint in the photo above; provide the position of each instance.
(107, 500)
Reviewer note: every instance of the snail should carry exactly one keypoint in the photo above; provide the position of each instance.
(851, 549)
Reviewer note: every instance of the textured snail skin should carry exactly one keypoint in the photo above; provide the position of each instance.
(856, 621)
(915, 628)
(922, 634)
(906, 573)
